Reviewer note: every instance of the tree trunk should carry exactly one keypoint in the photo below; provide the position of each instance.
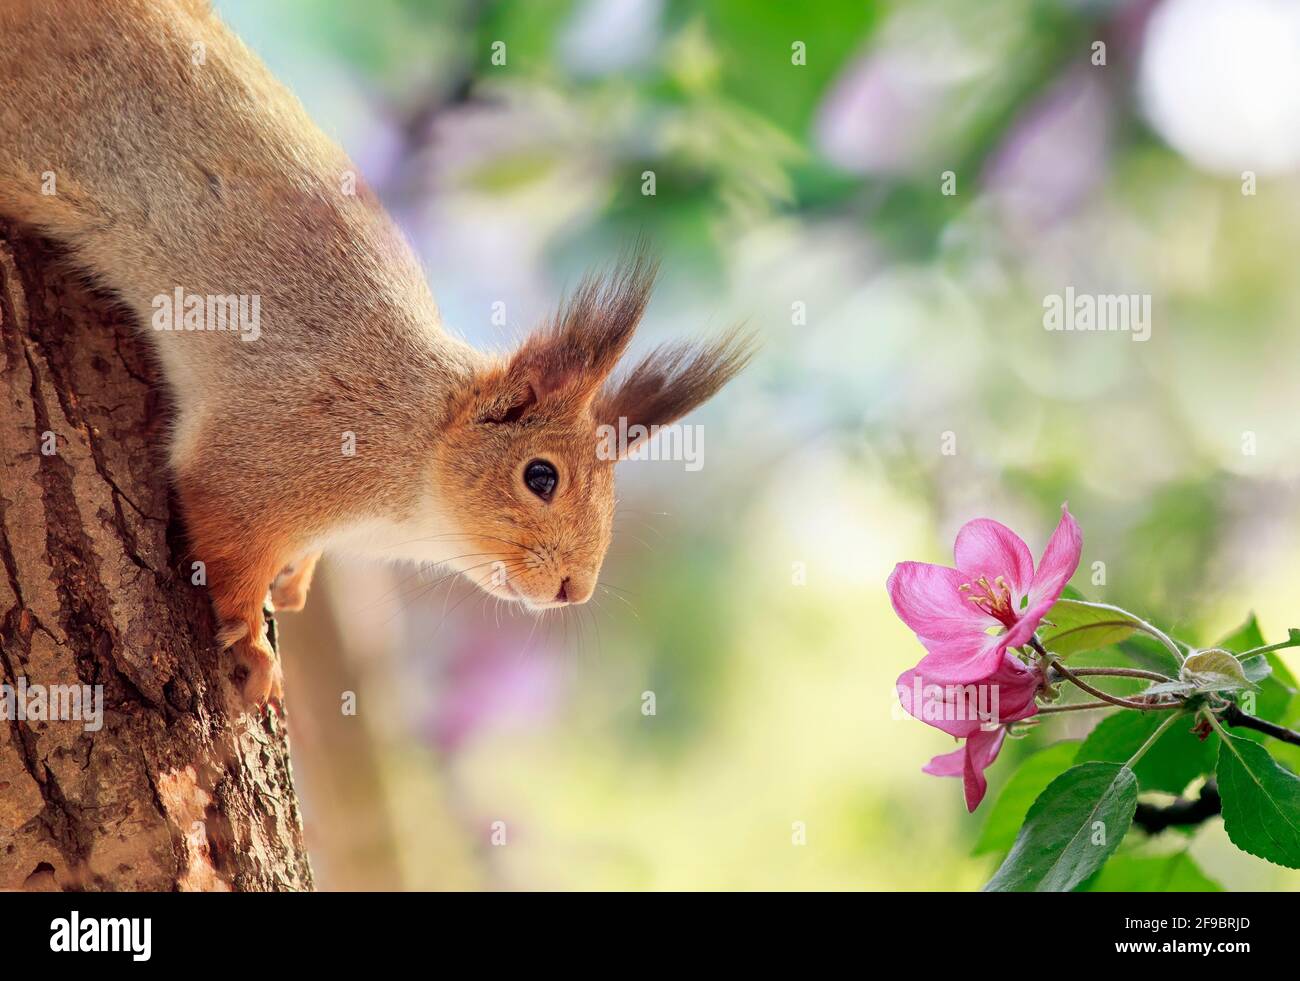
(181, 787)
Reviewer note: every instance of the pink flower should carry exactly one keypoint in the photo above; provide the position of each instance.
(969, 616)
(977, 711)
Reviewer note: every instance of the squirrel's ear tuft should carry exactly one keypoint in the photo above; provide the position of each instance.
(673, 379)
(578, 349)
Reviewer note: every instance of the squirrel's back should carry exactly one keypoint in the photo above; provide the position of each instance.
(145, 135)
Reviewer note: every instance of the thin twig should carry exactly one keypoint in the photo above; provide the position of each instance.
(1292, 641)
(1075, 707)
(1069, 675)
(1155, 736)
(1121, 673)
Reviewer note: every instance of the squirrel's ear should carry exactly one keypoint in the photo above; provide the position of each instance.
(577, 350)
(513, 398)
(670, 381)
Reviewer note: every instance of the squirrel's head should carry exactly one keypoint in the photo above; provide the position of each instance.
(526, 468)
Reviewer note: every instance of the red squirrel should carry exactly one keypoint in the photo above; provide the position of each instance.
(144, 136)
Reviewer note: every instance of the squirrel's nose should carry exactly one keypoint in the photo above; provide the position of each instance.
(577, 590)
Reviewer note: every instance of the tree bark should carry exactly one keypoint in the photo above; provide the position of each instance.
(182, 787)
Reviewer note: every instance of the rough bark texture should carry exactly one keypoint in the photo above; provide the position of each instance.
(182, 788)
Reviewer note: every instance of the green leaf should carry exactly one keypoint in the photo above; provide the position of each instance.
(1176, 759)
(1071, 829)
(1144, 651)
(1176, 872)
(1277, 691)
(1030, 779)
(1278, 703)
(1216, 670)
(1292, 640)
(1080, 626)
(1281, 672)
(1245, 637)
(1276, 699)
(1261, 802)
(1257, 668)
(1280, 685)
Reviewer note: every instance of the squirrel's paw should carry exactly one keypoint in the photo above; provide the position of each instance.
(288, 597)
(264, 681)
(289, 590)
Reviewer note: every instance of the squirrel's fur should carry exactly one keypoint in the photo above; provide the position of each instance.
(180, 162)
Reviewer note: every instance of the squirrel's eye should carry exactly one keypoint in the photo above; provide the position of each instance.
(541, 478)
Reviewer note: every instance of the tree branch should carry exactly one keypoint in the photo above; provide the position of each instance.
(1154, 818)
(1235, 717)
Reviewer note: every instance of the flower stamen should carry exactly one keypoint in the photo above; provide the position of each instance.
(993, 598)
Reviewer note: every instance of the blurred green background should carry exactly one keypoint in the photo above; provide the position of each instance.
(798, 153)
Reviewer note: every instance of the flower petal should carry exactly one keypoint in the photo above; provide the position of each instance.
(926, 598)
(1017, 686)
(948, 765)
(1060, 559)
(951, 708)
(981, 750)
(985, 547)
(962, 660)
(1026, 624)
(959, 708)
